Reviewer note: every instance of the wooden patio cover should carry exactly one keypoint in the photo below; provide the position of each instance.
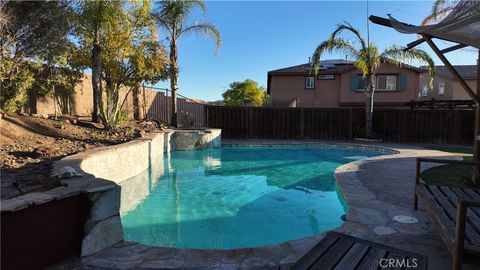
(460, 26)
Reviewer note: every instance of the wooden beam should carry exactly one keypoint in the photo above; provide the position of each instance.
(476, 145)
(386, 22)
(414, 44)
(453, 48)
(452, 70)
(380, 20)
(473, 95)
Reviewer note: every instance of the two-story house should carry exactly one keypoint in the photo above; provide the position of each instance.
(445, 86)
(339, 84)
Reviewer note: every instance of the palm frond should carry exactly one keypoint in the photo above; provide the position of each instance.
(333, 45)
(398, 56)
(207, 30)
(440, 5)
(368, 60)
(192, 4)
(346, 26)
(437, 15)
(173, 15)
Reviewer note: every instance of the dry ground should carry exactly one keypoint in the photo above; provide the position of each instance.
(30, 145)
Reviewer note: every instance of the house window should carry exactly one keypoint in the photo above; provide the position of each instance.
(326, 77)
(424, 91)
(360, 82)
(441, 88)
(309, 82)
(387, 82)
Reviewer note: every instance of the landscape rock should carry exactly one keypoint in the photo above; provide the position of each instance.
(36, 198)
(13, 205)
(104, 234)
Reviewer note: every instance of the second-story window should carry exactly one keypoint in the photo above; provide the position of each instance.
(310, 82)
(441, 88)
(387, 82)
(424, 91)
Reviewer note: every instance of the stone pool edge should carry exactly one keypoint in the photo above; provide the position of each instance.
(281, 255)
(99, 181)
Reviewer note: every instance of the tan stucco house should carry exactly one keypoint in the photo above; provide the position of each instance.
(445, 86)
(339, 84)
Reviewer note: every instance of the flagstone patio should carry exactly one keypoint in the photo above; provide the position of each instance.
(376, 189)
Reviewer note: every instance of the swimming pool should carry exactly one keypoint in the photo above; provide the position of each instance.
(236, 197)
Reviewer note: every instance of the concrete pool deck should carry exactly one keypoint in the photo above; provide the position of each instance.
(376, 189)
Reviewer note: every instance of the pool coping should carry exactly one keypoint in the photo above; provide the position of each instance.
(127, 255)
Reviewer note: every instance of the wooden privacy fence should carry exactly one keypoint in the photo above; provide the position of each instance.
(157, 105)
(398, 125)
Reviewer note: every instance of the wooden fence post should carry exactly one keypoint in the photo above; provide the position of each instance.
(205, 116)
(250, 122)
(302, 123)
(350, 126)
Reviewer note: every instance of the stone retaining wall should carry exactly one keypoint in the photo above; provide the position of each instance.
(108, 173)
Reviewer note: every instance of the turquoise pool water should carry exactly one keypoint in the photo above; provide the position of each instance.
(235, 197)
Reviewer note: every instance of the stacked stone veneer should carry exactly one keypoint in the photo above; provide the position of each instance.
(115, 180)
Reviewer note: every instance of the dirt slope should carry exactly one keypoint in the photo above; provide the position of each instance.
(29, 146)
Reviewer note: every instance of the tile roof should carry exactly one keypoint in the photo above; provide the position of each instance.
(326, 66)
(466, 71)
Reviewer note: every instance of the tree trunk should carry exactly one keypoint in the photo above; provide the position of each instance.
(144, 104)
(369, 91)
(96, 80)
(174, 81)
(476, 139)
(136, 102)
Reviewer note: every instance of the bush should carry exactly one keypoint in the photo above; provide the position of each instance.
(187, 119)
(14, 89)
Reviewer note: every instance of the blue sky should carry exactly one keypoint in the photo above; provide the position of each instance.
(259, 36)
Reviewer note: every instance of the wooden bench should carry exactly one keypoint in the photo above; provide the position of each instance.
(455, 212)
(339, 251)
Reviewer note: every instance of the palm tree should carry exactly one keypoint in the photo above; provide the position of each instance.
(367, 58)
(440, 9)
(94, 17)
(174, 17)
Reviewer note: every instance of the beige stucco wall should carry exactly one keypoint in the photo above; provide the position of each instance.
(459, 93)
(411, 92)
(333, 93)
(287, 87)
(453, 89)
(81, 102)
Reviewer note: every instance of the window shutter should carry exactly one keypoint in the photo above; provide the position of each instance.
(353, 83)
(360, 82)
(402, 82)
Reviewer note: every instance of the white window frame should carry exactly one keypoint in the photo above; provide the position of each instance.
(309, 82)
(389, 86)
(326, 77)
(424, 91)
(441, 85)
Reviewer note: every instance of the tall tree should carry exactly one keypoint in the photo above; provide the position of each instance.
(95, 18)
(174, 16)
(367, 58)
(246, 93)
(130, 54)
(35, 38)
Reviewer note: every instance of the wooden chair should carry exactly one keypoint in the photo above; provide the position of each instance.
(339, 251)
(455, 212)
